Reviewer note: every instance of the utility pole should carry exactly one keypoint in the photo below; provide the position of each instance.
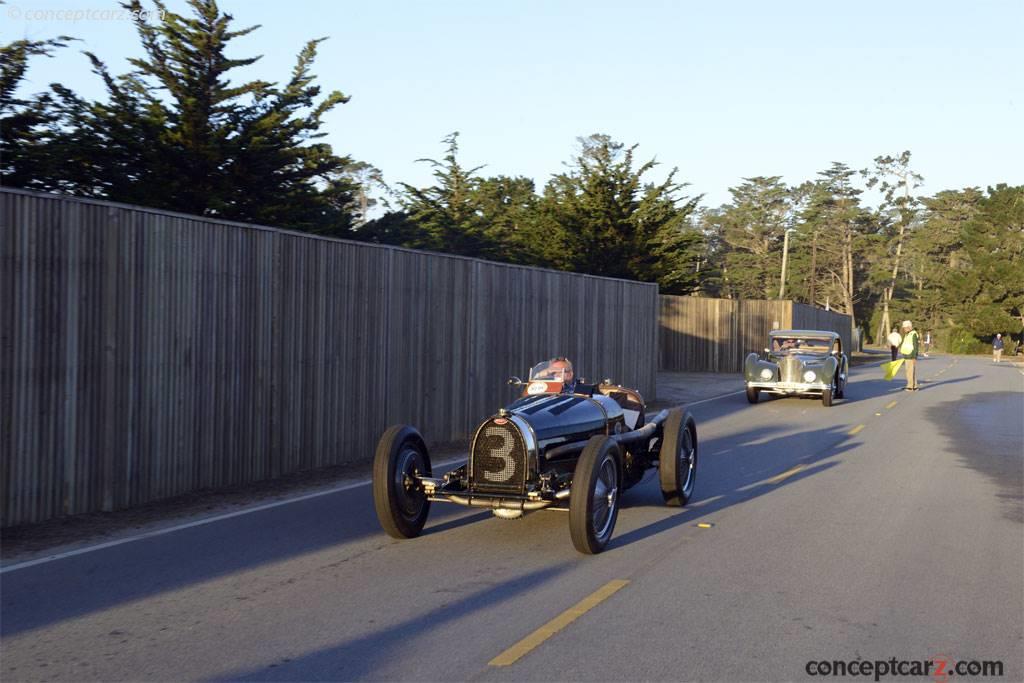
(785, 256)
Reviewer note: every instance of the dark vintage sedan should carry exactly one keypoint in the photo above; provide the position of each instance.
(799, 363)
(564, 444)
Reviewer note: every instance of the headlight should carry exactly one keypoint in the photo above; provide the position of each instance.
(810, 376)
(766, 373)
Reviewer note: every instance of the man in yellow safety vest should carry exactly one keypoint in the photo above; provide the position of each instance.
(908, 352)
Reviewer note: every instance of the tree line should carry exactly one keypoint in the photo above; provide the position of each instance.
(177, 132)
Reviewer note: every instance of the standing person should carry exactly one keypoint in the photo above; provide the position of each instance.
(908, 351)
(997, 348)
(927, 343)
(894, 340)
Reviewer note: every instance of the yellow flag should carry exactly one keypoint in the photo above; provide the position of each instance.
(892, 367)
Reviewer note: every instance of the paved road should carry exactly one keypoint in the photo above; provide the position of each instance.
(891, 525)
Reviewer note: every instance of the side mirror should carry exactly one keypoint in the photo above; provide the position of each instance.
(514, 380)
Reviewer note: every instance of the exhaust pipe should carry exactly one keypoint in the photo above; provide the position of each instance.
(495, 503)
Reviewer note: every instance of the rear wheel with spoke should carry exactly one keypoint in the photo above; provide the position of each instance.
(677, 460)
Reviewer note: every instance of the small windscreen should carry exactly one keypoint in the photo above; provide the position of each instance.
(554, 370)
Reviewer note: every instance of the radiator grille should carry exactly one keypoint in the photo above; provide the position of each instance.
(790, 368)
(498, 459)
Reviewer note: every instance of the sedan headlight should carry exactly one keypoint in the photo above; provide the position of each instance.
(810, 376)
(766, 373)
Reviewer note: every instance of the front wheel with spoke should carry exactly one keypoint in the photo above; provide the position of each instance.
(594, 501)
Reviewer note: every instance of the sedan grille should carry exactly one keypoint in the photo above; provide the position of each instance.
(791, 369)
(497, 461)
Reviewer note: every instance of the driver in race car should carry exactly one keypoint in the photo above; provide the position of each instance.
(557, 370)
(561, 368)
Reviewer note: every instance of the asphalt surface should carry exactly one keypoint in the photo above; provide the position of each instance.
(888, 526)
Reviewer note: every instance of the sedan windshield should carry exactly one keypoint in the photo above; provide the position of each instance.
(785, 345)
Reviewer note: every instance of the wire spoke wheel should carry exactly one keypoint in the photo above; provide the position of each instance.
(594, 501)
(677, 460)
(606, 493)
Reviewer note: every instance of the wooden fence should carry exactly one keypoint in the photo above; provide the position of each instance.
(145, 354)
(804, 317)
(715, 335)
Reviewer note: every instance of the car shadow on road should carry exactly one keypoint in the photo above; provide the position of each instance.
(466, 519)
(364, 656)
(775, 467)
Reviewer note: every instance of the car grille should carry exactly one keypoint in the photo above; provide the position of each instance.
(790, 369)
(497, 461)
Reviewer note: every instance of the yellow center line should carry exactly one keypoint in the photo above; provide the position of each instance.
(785, 475)
(524, 646)
(891, 405)
(855, 430)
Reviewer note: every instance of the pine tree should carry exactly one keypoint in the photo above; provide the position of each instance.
(835, 224)
(26, 125)
(446, 213)
(753, 226)
(987, 296)
(896, 180)
(602, 219)
(176, 133)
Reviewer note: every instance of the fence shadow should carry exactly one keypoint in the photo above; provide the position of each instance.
(137, 570)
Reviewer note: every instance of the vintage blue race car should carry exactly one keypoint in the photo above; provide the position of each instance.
(563, 444)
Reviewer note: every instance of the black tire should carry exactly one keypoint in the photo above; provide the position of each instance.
(752, 394)
(401, 505)
(594, 502)
(826, 397)
(677, 459)
(840, 388)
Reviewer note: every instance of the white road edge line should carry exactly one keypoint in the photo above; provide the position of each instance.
(198, 522)
(715, 398)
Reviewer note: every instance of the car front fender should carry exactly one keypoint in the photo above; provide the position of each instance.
(753, 365)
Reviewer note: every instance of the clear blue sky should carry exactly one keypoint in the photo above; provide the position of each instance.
(723, 90)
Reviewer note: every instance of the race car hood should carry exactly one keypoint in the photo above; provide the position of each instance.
(565, 415)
